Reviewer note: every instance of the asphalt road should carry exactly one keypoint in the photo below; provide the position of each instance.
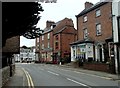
(51, 75)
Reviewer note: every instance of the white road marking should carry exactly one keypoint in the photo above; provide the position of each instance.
(78, 82)
(53, 73)
(65, 70)
(93, 75)
(41, 69)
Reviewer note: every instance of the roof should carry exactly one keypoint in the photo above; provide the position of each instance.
(60, 30)
(46, 30)
(91, 8)
(81, 41)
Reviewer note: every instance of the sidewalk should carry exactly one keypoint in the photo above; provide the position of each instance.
(17, 80)
(94, 73)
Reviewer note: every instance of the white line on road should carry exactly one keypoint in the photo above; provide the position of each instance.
(93, 75)
(78, 82)
(53, 73)
(41, 69)
(65, 70)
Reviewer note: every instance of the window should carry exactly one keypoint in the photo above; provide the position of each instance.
(85, 19)
(42, 37)
(85, 33)
(42, 46)
(56, 37)
(97, 13)
(56, 45)
(38, 40)
(48, 45)
(38, 47)
(48, 35)
(98, 29)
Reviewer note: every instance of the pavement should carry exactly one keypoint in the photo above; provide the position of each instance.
(17, 80)
(20, 79)
(95, 73)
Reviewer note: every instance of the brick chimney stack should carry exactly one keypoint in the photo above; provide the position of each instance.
(88, 5)
(49, 23)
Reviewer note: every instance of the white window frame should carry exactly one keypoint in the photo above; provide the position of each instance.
(42, 37)
(48, 35)
(98, 29)
(98, 13)
(85, 18)
(38, 40)
(85, 33)
(42, 46)
(38, 46)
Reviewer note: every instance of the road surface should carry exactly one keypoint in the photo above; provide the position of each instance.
(52, 75)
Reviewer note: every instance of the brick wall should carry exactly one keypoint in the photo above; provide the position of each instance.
(104, 19)
(96, 66)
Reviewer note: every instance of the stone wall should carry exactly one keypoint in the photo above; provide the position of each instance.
(5, 74)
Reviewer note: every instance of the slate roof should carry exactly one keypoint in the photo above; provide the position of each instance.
(91, 8)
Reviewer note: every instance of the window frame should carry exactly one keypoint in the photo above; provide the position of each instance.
(42, 37)
(97, 14)
(48, 36)
(56, 45)
(42, 46)
(85, 33)
(38, 40)
(98, 29)
(85, 18)
(48, 45)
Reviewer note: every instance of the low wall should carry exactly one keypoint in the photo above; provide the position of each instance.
(7, 72)
(96, 66)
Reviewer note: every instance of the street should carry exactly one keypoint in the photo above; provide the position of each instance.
(52, 75)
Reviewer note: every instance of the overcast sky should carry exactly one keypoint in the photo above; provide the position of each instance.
(56, 12)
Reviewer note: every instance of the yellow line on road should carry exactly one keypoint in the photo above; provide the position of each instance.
(29, 79)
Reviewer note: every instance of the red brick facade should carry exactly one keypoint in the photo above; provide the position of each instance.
(95, 24)
(61, 33)
(105, 20)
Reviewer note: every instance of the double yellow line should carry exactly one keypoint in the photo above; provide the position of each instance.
(29, 79)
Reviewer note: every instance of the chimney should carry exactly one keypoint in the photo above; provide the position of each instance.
(49, 24)
(88, 5)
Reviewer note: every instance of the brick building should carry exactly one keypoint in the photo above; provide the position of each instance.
(95, 40)
(44, 44)
(116, 33)
(63, 34)
(54, 42)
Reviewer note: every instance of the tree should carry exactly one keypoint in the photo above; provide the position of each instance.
(20, 18)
